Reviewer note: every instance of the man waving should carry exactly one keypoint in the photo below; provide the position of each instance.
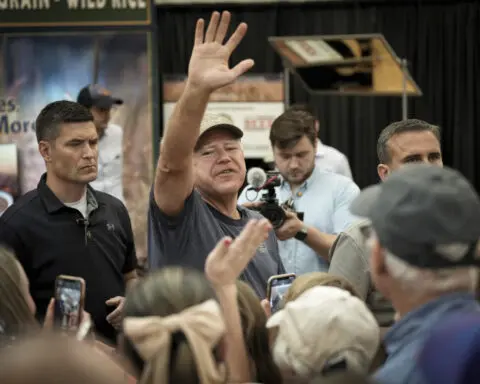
(201, 167)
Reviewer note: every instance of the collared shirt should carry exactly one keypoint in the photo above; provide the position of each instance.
(110, 163)
(325, 199)
(405, 339)
(51, 239)
(331, 159)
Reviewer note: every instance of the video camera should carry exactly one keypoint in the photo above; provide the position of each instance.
(271, 208)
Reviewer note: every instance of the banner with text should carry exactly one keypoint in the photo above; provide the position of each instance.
(44, 68)
(251, 2)
(37, 13)
(253, 102)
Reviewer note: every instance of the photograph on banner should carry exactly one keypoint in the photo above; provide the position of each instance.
(252, 102)
(44, 68)
(9, 188)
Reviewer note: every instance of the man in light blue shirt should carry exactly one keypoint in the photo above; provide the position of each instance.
(323, 197)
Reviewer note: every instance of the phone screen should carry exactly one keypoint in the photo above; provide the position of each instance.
(278, 289)
(68, 301)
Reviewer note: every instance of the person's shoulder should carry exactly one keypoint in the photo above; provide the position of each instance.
(334, 153)
(333, 178)
(250, 213)
(25, 204)
(354, 231)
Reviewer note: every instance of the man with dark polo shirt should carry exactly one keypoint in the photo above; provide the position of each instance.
(201, 168)
(66, 227)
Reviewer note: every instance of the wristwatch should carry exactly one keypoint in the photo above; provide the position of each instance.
(302, 234)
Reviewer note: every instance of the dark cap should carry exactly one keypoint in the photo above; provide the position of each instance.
(424, 214)
(96, 96)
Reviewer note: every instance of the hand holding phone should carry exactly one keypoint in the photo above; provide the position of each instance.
(69, 302)
(277, 286)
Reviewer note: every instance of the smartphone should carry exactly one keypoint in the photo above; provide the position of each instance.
(277, 286)
(69, 301)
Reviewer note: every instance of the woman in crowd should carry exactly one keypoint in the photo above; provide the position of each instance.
(255, 333)
(17, 309)
(176, 331)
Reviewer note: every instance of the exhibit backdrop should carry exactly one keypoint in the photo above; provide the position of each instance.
(38, 69)
(253, 102)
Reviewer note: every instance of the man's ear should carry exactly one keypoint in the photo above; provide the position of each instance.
(383, 171)
(45, 149)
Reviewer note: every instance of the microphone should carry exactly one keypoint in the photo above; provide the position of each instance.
(256, 177)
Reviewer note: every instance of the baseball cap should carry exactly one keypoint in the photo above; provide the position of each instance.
(96, 96)
(426, 215)
(219, 120)
(324, 327)
(451, 354)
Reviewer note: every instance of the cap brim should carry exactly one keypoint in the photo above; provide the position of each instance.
(364, 203)
(275, 320)
(107, 102)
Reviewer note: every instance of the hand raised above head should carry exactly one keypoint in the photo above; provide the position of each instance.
(208, 68)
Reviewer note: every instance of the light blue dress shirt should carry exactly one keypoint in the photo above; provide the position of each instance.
(325, 199)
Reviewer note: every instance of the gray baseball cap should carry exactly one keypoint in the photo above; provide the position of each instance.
(424, 214)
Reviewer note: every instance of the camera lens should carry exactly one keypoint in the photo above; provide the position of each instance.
(274, 214)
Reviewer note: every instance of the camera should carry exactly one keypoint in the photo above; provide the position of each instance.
(270, 208)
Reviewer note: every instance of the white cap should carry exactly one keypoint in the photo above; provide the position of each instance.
(323, 326)
(219, 120)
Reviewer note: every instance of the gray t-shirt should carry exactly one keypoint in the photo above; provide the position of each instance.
(187, 239)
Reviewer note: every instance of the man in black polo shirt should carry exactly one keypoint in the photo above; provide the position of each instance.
(66, 227)
(201, 168)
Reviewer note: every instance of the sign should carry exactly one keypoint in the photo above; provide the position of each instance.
(38, 13)
(8, 175)
(253, 102)
(249, 2)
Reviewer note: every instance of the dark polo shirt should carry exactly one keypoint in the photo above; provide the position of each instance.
(51, 239)
(187, 239)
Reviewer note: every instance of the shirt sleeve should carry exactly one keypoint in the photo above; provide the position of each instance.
(348, 260)
(342, 217)
(344, 167)
(12, 241)
(175, 229)
(131, 261)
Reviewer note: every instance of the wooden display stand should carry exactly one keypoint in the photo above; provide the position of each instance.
(349, 65)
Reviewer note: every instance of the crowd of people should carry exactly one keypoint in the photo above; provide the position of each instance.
(385, 278)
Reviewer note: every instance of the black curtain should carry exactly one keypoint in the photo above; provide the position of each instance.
(440, 39)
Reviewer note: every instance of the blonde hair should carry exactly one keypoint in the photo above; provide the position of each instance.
(163, 293)
(16, 317)
(256, 336)
(309, 280)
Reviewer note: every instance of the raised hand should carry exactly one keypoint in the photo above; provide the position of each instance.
(228, 259)
(208, 68)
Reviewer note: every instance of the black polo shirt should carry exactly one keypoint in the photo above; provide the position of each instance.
(51, 239)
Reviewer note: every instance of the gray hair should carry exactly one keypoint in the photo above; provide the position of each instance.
(410, 125)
